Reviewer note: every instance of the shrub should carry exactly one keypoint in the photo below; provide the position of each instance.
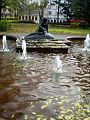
(4, 26)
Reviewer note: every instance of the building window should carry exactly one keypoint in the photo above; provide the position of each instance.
(35, 17)
(29, 17)
(26, 17)
(51, 21)
(32, 17)
(49, 12)
(55, 21)
(22, 17)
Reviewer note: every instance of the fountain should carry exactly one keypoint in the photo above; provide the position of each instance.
(57, 65)
(42, 41)
(87, 43)
(26, 85)
(5, 47)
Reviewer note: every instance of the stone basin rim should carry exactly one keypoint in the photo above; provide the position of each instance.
(76, 38)
(9, 37)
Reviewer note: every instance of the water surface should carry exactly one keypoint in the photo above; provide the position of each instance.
(33, 80)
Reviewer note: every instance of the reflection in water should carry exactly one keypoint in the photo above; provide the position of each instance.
(22, 82)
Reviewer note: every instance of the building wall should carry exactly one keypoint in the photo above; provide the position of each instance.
(51, 11)
(32, 17)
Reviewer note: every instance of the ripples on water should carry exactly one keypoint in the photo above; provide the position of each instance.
(34, 79)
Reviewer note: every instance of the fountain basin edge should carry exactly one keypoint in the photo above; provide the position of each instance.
(76, 38)
(44, 49)
(9, 37)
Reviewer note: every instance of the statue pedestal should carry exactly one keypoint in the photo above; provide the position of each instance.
(45, 46)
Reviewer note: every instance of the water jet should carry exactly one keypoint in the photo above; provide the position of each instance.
(57, 66)
(87, 43)
(4, 44)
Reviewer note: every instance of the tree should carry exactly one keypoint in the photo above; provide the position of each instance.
(13, 5)
(81, 10)
(31, 6)
(78, 9)
(41, 5)
(66, 9)
(60, 4)
(3, 4)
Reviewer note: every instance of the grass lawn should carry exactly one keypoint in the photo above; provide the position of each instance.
(23, 28)
(68, 30)
(29, 28)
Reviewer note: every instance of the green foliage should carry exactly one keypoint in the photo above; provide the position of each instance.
(77, 9)
(10, 5)
(61, 29)
(66, 10)
(4, 26)
(81, 10)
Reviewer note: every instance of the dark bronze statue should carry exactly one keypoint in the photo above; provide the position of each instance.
(43, 26)
(41, 32)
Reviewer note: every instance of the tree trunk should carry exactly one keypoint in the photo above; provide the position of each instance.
(0, 14)
(42, 13)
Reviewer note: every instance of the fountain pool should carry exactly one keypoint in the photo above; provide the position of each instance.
(26, 85)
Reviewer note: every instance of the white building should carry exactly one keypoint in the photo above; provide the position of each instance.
(32, 17)
(51, 12)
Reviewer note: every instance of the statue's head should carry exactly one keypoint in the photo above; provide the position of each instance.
(45, 20)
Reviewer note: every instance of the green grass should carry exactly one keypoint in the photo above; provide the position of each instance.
(29, 28)
(69, 30)
(23, 28)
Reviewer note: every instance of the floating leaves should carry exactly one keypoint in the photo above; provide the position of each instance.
(43, 106)
(12, 116)
(52, 119)
(77, 110)
(41, 117)
(34, 113)
(46, 104)
(25, 117)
